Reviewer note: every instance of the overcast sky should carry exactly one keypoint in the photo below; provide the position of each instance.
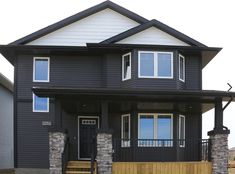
(210, 22)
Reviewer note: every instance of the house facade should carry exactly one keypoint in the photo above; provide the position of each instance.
(106, 86)
(6, 123)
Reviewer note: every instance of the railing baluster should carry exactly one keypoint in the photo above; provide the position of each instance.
(188, 149)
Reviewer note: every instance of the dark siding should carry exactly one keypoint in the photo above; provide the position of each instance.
(70, 123)
(193, 72)
(84, 71)
(32, 137)
(113, 70)
(68, 71)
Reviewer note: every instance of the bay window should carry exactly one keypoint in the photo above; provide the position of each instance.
(181, 68)
(155, 64)
(126, 66)
(155, 130)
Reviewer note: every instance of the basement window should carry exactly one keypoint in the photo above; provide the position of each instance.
(40, 104)
(126, 66)
(155, 64)
(41, 69)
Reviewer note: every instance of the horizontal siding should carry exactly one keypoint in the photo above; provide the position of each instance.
(193, 72)
(70, 71)
(113, 70)
(6, 128)
(152, 36)
(32, 145)
(92, 29)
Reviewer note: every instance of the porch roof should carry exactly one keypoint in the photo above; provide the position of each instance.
(204, 97)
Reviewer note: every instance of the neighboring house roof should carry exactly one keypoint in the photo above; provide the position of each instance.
(232, 149)
(6, 83)
(79, 16)
(159, 25)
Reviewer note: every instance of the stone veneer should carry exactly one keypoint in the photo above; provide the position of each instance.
(219, 153)
(56, 147)
(104, 153)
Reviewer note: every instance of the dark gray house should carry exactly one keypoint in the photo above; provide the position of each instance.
(6, 123)
(109, 91)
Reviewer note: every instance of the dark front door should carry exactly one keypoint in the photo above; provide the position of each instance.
(87, 131)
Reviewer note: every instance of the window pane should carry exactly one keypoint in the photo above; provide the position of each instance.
(164, 127)
(146, 127)
(127, 67)
(146, 64)
(40, 103)
(181, 68)
(126, 127)
(164, 65)
(41, 69)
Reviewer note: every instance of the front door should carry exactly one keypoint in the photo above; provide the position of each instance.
(87, 130)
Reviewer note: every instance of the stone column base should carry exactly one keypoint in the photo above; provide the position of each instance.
(219, 153)
(104, 153)
(56, 148)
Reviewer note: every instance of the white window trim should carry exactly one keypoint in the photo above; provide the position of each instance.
(123, 79)
(172, 65)
(180, 56)
(48, 105)
(155, 60)
(180, 130)
(155, 116)
(126, 143)
(48, 75)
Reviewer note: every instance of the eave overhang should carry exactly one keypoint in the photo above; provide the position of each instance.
(204, 97)
(10, 51)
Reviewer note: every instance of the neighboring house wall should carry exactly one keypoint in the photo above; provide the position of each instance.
(6, 128)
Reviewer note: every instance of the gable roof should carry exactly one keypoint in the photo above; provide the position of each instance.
(79, 16)
(159, 25)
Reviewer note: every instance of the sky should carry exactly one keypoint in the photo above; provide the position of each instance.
(210, 22)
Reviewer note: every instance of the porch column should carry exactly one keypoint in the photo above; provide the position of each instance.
(104, 143)
(57, 139)
(56, 148)
(219, 142)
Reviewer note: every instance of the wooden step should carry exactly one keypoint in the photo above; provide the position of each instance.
(79, 167)
(78, 172)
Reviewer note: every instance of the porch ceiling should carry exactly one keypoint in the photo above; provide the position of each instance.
(205, 97)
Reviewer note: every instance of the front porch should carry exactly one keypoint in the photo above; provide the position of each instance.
(154, 130)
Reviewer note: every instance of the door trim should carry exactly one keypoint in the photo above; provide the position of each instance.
(79, 117)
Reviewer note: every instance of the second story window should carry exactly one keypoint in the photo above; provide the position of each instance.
(126, 66)
(41, 66)
(155, 64)
(181, 68)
